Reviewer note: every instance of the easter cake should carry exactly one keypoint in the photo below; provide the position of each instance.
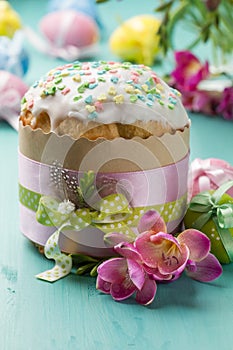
(116, 124)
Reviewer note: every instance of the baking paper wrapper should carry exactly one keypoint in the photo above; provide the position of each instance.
(152, 171)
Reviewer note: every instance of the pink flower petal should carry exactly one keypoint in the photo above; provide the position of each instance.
(162, 251)
(152, 220)
(147, 249)
(189, 71)
(147, 294)
(123, 290)
(113, 270)
(197, 242)
(128, 251)
(156, 274)
(174, 260)
(136, 273)
(206, 270)
(114, 238)
(102, 285)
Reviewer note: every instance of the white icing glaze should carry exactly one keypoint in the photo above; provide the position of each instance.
(105, 92)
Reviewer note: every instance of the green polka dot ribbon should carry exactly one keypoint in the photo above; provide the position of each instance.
(169, 211)
(63, 263)
(113, 214)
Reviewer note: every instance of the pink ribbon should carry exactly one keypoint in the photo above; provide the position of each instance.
(144, 188)
(208, 174)
(151, 187)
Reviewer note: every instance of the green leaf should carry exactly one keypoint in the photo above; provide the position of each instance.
(163, 7)
(85, 269)
(81, 259)
(100, 1)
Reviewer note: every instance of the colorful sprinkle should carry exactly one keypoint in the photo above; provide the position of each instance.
(129, 89)
(65, 91)
(150, 97)
(23, 100)
(35, 84)
(170, 105)
(159, 87)
(114, 79)
(50, 91)
(92, 115)
(99, 106)
(30, 104)
(149, 103)
(77, 98)
(61, 87)
(90, 109)
(89, 99)
(92, 86)
(133, 98)
(118, 99)
(58, 80)
(141, 97)
(112, 91)
(102, 98)
(81, 89)
(65, 74)
(100, 72)
(172, 100)
(145, 87)
(101, 79)
(77, 78)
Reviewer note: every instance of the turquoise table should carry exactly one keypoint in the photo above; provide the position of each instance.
(71, 314)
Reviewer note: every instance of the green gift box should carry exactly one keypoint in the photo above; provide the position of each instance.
(212, 213)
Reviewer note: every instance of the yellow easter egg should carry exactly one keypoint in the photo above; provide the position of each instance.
(217, 247)
(136, 39)
(9, 20)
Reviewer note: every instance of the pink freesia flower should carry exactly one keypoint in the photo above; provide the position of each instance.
(189, 71)
(121, 277)
(226, 106)
(154, 256)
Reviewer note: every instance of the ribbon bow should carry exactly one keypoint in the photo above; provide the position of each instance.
(208, 174)
(111, 209)
(221, 213)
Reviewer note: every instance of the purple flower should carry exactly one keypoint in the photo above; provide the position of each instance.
(201, 101)
(189, 71)
(226, 105)
(155, 256)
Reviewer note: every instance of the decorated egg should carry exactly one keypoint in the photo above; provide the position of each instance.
(12, 89)
(136, 39)
(87, 7)
(9, 20)
(212, 213)
(13, 56)
(69, 28)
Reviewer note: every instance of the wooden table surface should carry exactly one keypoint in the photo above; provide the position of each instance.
(71, 314)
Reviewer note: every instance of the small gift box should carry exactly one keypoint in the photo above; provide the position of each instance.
(212, 213)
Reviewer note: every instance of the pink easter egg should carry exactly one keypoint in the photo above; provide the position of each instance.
(11, 83)
(68, 27)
